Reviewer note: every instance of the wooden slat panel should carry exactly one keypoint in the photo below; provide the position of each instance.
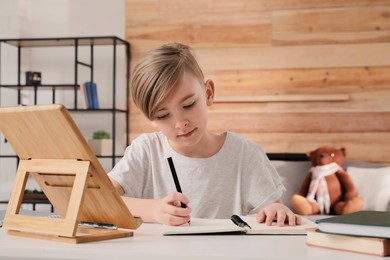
(310, 80)
(348, 19)
(354, 92)
(280, 38)
(282, 98)
(358, 106)
(202, 35)
(320, 56)
(301, 122)
(200, 29)
(198, 19)
(136, 9)
(368, 88)
(332, 26)
(231, 6)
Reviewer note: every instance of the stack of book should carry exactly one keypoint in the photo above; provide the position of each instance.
(365, 232)
(90, 96)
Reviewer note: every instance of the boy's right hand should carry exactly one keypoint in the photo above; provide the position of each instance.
(169, 212)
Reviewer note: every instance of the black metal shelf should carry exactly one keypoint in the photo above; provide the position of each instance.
(65, 41)
(75, 43)
(42, 86)
(8, 156)
(108, 110)
(99, 156)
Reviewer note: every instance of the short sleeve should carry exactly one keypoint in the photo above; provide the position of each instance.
(131, 172)
(264, 185)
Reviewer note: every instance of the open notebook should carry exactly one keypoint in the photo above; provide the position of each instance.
(215, 226)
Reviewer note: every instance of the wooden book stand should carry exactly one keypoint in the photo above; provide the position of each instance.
(52, 149)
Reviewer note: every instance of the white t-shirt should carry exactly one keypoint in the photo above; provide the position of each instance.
(238, 179)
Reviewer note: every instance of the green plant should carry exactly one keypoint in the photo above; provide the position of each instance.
(35, 191)
(101, 134)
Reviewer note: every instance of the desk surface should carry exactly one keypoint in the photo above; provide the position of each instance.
(148, 243)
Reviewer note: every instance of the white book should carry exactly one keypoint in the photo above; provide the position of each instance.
(357, 244)
(84, 96)
(215, 226)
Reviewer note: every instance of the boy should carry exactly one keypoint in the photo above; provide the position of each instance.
(220, 174)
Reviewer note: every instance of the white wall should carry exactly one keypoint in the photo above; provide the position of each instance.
(62, 18)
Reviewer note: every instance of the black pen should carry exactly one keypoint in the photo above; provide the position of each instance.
(175, 179)
(239, 222)
(89, 224)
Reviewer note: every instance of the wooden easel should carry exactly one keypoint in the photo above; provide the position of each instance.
(67, 172)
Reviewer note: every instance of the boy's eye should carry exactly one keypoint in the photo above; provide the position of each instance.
(161, 117)
(189, 106)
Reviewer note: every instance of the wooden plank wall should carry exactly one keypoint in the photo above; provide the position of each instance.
(291, 75)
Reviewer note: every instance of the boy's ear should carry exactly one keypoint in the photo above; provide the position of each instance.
(209, 92)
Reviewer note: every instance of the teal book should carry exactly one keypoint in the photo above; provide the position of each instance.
(362, 223)
(94, 93)
(88, 91)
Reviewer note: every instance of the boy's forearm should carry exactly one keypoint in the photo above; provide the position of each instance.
(138, 207)
(141, 207)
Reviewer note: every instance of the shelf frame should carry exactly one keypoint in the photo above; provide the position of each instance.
(76, 43)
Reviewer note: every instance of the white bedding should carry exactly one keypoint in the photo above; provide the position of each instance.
(294, 172)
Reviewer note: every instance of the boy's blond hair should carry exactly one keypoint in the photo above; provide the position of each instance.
(159, 72)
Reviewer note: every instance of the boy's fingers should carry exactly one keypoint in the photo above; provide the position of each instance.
(175, 220)
(178, 211)
(281, 219)
(298, 220)
(261, 216)
(175, 197)
(270, 218)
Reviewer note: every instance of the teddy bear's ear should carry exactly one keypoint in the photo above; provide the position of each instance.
(343, 150)
(310, 153)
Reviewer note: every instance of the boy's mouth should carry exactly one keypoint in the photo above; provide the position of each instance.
(188, 134)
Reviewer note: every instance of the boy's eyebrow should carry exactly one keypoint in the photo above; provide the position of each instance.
(187, 97)
(182, 100)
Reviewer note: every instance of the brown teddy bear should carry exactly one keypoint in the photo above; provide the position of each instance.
(327, 189)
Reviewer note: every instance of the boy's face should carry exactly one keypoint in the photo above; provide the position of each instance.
(182, 118)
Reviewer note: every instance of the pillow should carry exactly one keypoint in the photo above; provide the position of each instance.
(292, 173)
(373, 186)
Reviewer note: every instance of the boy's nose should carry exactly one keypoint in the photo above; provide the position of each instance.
(182, 123)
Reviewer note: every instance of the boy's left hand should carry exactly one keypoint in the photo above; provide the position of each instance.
(278, 212)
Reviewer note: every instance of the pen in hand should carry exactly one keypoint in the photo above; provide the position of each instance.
(175, 179)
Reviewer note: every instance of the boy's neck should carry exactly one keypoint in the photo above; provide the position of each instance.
(209, 145)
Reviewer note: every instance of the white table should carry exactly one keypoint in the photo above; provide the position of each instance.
(148, 243)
